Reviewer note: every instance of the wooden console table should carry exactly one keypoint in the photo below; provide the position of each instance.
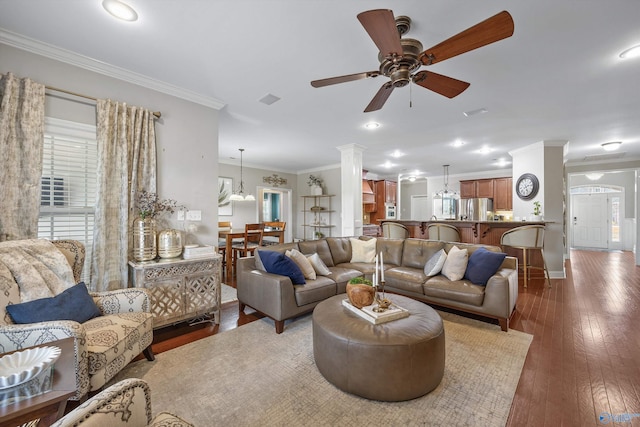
(181, 289)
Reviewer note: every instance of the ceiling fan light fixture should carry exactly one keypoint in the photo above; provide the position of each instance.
(632, 52)
(475, 112)
(120, 10)
(611, 146)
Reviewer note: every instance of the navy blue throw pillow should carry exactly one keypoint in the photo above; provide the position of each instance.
(277, 263)
(74, 303)
(482, 265)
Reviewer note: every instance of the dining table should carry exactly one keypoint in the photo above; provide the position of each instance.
(229, 235)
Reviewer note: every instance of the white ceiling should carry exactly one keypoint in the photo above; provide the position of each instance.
(557, 78)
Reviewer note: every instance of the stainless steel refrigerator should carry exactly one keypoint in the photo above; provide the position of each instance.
(479, 209)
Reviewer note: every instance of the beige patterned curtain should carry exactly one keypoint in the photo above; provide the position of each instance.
(21, 136)
(126, 165)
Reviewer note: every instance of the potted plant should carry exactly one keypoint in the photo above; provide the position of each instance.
(537, 212)
(315, 182)
(360, 292)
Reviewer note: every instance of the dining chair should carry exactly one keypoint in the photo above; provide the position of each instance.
(443, 232)
(222, 243)
(527, 238)
(394, 230)
(273, 240)
(253, 234)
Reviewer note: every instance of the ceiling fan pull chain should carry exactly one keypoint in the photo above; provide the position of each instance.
(410, 96)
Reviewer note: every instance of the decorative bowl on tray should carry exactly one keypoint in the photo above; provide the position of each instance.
(19, 367)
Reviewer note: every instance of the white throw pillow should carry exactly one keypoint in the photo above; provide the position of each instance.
(302, 261)
(363, 250)
(435, 263)
(318, 265)
(456, 264)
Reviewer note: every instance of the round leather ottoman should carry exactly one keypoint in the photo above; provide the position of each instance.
(398, 360)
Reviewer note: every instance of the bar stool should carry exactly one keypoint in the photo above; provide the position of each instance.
(394, 230)
(526, 238)
(443, 232)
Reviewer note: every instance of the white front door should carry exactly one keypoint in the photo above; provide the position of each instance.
(589, 220)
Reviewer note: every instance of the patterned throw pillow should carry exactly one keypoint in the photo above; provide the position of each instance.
(363, 250)
(456, 264)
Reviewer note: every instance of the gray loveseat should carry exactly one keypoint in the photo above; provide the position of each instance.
(404, 259)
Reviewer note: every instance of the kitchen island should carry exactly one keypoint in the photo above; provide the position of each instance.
(477, 232)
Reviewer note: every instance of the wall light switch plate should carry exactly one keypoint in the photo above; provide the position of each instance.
(180, 215)
(194, 215)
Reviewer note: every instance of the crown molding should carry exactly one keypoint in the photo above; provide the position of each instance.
(53, 52)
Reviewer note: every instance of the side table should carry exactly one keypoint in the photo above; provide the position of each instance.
(50, 405)
(181, 289)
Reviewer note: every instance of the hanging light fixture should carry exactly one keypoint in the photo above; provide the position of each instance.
(445, 191)
(445, 201)
(239, 195)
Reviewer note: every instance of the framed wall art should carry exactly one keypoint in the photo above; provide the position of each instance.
(225, 189)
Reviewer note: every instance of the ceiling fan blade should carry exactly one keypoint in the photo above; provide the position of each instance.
(446, 86)
(381, 26)
(490, 30)
(381, 97)
(344, 79)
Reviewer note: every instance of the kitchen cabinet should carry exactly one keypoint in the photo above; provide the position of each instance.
(498, 189)
(476, 188)
(503, 194)
(385, 192)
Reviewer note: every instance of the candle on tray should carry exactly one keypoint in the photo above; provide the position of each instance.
(381, 268)
(375, 273)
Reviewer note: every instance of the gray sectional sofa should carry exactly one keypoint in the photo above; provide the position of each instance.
(404, 259)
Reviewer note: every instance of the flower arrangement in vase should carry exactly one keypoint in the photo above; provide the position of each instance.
(315, 182)
(149, 207)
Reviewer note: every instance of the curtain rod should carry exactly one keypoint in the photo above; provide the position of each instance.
(157, 114)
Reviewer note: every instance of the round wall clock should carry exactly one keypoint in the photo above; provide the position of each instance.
(527, 186)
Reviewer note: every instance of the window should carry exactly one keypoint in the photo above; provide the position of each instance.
(68, 185)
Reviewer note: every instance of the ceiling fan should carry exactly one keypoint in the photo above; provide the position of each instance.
(400, 58)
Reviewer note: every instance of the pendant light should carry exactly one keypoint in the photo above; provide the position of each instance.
(445, 191)
(239, 195)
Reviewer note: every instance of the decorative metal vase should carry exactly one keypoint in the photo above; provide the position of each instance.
(169, 243)
(144, 239)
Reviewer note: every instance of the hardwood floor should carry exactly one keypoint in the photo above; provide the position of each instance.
(584, 359)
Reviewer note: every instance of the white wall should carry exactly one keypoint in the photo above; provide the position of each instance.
(187, 133)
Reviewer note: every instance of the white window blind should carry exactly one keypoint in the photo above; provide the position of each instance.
(68, 186)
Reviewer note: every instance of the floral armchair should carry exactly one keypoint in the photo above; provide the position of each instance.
(36, 269)
(126, 403)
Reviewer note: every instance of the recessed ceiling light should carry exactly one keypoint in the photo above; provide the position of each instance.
(120, 10)
(372, 125)
(632, 52)
(611, 146)
(458, 143)
(397, 153)
(388, 164)
(485, 150)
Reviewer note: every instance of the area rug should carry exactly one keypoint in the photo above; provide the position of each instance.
(229, 294)
(252, 376)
